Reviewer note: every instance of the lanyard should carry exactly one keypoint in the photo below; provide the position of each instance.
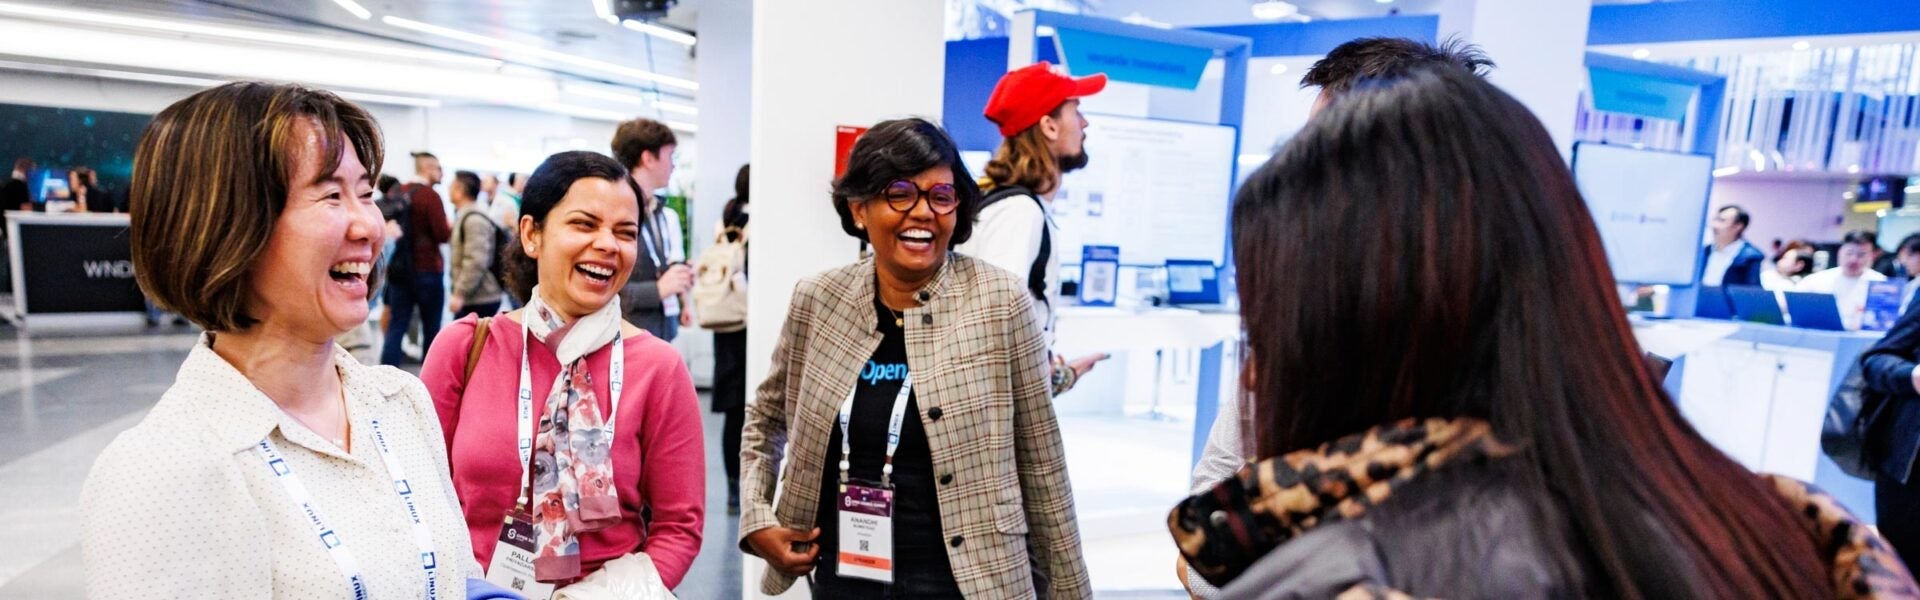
(422, 535)
(616, 382)
(893, 432)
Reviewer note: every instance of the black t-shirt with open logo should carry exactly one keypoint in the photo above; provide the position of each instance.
(921, 568)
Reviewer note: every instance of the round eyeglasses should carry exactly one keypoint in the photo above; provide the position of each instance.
(902, 195)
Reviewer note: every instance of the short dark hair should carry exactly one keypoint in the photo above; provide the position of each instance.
(640, 136)
(545, 188)
(1911, 243)
(514, 179)
(23, 164)
(1740, 216)
(899, 149)
(386, 184)
(210, 178)
(1389, 58)
(1861, 236)
(468, 181)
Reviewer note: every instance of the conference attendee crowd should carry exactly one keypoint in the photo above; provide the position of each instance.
(1443, 396)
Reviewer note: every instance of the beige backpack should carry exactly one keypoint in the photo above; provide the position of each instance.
(720, 283)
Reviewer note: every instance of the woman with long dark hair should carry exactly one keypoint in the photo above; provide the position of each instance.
(1450, 402)
(730, 347)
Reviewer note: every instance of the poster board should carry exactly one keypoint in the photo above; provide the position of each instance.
(1156, 189)
(1650, 206)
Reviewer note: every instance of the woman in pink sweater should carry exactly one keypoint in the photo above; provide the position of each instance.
(529, 433)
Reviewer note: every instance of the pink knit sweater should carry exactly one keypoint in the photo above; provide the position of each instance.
(659, 458)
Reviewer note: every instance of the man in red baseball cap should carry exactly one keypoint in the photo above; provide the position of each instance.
(1038, 111)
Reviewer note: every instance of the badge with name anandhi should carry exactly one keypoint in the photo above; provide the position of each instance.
(866, 533)
(512, 565)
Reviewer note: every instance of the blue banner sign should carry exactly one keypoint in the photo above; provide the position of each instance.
(1132, 59)
(1642, 95)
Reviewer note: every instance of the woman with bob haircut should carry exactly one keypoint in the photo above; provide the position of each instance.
(911, 390)
(1449, 402)
(276, 465)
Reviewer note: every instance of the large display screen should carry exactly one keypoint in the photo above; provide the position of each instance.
(1651, 208)
(1156, 189)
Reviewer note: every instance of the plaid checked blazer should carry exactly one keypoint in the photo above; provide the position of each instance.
(980, 377)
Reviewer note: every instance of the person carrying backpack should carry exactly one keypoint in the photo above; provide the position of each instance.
(416, 274)
(1038, 112)
(720, 302)
(476, 252)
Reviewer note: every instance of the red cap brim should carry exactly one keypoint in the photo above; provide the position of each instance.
(1089, 85)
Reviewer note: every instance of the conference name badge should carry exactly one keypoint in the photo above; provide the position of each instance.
(512, 565)
(866, 533)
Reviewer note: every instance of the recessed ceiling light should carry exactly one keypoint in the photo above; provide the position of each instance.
(1278, 69)
(1802, 45)
(560, 57)
(1274, 10)
(1642, 53)
(1384, 1)
(1043, 31)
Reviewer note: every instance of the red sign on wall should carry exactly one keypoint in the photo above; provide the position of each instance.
(844, 136)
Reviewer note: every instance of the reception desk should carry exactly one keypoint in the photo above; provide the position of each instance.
(71, 267)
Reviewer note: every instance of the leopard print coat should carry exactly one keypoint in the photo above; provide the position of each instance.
(1224, 531)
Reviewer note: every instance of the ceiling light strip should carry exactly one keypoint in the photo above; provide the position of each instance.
(355, 8)
(252, 35)
(560, 57)
(197, 82)
(672, 35)
(675, 108)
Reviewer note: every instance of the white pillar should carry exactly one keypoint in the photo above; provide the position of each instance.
(725, 64)
(817, 65)
(1539, 49)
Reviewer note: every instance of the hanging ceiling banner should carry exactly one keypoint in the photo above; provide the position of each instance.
(1132, 59)
(1642, 95)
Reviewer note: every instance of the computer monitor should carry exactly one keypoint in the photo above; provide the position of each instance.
(1812, 310)
(1713, 303)
(1756, 305)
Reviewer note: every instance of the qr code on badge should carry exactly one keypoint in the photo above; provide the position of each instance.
(519, 584)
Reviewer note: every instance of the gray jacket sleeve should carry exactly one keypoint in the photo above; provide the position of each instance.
(474, 253)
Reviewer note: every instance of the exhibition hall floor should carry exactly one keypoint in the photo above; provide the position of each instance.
(65, 395)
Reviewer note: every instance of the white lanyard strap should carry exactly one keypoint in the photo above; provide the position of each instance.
(616, 382)
(422, 535)
(893, 432)
(349, 566)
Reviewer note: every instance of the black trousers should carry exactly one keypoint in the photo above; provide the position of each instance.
(1898, 505)
(730, 397)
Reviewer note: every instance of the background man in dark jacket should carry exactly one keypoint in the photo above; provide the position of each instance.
(1730, 260)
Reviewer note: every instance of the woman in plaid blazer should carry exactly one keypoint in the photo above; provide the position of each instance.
(978, 483)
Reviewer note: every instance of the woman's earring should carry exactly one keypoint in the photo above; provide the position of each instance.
(860, 226)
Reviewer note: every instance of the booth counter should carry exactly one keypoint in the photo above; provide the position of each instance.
(71, 267)
(1759, 393)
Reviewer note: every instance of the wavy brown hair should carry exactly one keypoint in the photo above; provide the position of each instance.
(1026, 160)
(1420, 250)
(210, 177)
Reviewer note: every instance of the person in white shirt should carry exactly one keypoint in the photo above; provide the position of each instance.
(1788, 268)
(1848, 282)
(1730, 260)
(1038, 112)
(276, 466)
